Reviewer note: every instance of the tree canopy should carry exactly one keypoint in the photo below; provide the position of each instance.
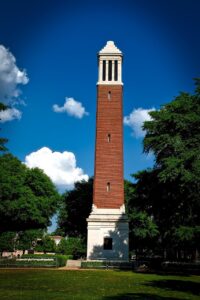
(76, 207)
(7, 241)
(170, 191)
(173, 135)
(72, 246)
(28, 239)
(28, 198)
(143, 231)
(3, 141)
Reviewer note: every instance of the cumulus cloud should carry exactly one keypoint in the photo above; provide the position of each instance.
(9, 115)
(72, 108)
(136, 119)
(59, 166)
(10, 77)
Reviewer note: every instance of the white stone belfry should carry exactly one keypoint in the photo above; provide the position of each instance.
(110, 53)
(108, 227)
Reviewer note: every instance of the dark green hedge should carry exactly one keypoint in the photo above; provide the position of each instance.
(17, 263)
(181, 267)
(58, 261)
(105, 265)
(92, 264)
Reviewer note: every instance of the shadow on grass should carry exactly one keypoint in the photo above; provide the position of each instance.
(141, 296)
(176, 285)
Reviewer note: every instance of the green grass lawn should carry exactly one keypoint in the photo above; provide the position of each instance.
(95, 284)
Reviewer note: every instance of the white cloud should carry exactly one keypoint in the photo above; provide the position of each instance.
(136, 119)
(10, 77)
(9, 115)
(59, 166)
(72, 108)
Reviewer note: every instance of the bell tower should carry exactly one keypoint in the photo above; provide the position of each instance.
(107, 223)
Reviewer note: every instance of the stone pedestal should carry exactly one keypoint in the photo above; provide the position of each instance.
(108, 234)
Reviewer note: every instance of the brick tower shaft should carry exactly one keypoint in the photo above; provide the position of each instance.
(108, 179)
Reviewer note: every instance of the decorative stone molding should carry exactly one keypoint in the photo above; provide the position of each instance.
(110, 48)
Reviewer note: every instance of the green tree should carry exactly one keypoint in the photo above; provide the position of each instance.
(46, 244)
(7, 241)
(171, 190)
(72, 246)
(28, 239)
(62, 246)
(143, 231)
(28, 198)
(173, 135)
(76, 207)
(3, 141)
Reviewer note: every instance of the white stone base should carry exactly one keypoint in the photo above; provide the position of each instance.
(111, 223)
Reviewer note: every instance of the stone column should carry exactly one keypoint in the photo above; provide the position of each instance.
(100, 70)
(120, 70)
(113, 70)
(106, 70)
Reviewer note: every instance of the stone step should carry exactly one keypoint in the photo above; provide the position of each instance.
(73, 264)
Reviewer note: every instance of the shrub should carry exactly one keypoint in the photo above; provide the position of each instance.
(59, 259)
(27, 263)
(184, 267)
(36, 260)
(46, 245)
(106, 265)
(72, 246)
(38, 256)
(62, 259)
(7, 241)
(92, 264)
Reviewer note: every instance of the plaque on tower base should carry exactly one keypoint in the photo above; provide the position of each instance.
(108, 235)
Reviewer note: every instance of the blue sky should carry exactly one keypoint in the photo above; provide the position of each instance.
(56, 42)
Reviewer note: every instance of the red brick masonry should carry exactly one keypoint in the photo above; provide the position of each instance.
(109, 155)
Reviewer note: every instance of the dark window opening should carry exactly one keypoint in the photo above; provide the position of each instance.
(110, 70)
(109, 95)
(109, 137)
(108, 186)
(107, 245)
(104, 70)
(116, 70)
